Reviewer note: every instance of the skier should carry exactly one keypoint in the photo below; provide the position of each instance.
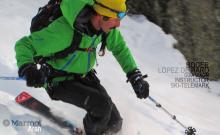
(67, 74)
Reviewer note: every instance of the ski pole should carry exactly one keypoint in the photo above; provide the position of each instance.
(11, 78)
(188, 130)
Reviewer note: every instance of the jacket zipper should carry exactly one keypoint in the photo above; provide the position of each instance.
(69, 61)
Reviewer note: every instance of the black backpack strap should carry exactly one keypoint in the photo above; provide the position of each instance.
(103, 46)
(77, 37)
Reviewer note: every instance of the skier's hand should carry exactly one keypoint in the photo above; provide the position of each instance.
(140, 86)
(34, 77)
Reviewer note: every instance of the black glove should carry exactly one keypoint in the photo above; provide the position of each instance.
(34, 77)
(140, 86)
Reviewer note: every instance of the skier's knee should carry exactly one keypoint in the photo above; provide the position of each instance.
(102, 107)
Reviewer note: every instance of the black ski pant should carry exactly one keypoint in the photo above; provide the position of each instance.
(89, 94)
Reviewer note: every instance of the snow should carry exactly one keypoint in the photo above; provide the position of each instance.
(152, 49)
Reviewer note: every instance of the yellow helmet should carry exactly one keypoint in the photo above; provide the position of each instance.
(110, 8)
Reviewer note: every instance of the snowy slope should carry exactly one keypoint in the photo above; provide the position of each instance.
(197, 107)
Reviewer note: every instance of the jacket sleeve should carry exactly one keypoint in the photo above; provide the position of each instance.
(24, 51)
(117, 45)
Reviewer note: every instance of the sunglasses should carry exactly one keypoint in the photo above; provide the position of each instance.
(120, 15)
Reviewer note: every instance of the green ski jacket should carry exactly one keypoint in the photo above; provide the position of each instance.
(58, 36)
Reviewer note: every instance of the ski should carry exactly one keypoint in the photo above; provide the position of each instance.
(26, 100)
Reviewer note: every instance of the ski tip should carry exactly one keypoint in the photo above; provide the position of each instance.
(23, 96)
